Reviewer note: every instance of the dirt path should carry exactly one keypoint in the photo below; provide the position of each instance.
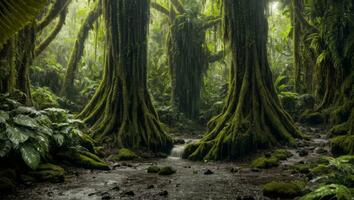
(129, 180)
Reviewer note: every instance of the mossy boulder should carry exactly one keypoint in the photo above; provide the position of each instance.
(332, 191)
(282, 154)
(302, 168)
(153, 169)
(265, 163)
(339, 130)
(84, 159)
(283, 189)
(342, 145)
(48, 172)
(165, 171)
(124, 155)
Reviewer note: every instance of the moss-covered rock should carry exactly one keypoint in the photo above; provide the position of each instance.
(302, 168)
(319, 170)
(84, 159)
(48, 172)
(153, 169)
(283, 189)
(265, 163)
(342, 145)
(165, 171)
(339, 130)
(333, 192)
(282, 154)
(124, 155)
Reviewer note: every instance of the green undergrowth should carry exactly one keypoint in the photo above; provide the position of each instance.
(123, 154)
(29, 138)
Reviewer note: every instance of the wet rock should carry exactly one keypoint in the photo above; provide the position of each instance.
(256, 170)
(150, 186)
(234, 170)
(303, 153)
(106, 196)
(178, 141)
(163, 193)
(342, 145)
(321, 150)
(129, 193)
(268, 155)
(153, 169)
(165, 171)
(208, 172)
(282, 154)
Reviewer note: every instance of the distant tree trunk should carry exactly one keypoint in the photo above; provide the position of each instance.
(188, 61)
(7, 68)
(121, 111)
(78, 50)
(253, 117)
(297, 30)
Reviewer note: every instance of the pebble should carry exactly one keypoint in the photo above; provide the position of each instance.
(208, 172)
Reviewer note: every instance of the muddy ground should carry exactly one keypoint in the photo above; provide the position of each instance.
(193, 180)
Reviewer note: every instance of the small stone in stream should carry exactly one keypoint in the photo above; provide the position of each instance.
(150, 186)
(164, 171)
(116, 188)
(179, 141)
(208, 172)
(248, 198)
(106, 196)
(153, 169)
(256, 170)
(303, 153)
(163, 193)
(129, 193)
(321, 150)
(195, 172)
(178, 184)
(234, 170)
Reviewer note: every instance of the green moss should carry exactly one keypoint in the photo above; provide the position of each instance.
(124, 154)
(265, 163)
(84, 159)
(332, 191)
(282, 154)
(339, 130)
(57, 115)
(320, 170)
(283, 190)
(302, 168)
(48, 172)
(43, 98)
(313, 118)
(153, 169)
(167, 171)
(342, 145)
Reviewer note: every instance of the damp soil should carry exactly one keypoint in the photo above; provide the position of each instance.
(192, 180)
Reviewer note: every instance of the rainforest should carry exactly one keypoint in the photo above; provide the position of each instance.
(176, 99)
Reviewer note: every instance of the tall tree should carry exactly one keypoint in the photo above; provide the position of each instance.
(188, 55)
(78, 50)
(252, 117)
(121, 110)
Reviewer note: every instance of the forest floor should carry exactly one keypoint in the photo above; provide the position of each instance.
(192, 180)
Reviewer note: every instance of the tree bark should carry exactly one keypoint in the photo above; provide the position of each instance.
(121, 111)
(296, 5)
(253, 117)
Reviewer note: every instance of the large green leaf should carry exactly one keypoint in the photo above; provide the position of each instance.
(5, 147)
(31, 156)
(4, 116)
(26, 121)
(16, 135)
(15, 14)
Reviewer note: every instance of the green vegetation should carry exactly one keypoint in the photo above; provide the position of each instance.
(283, 190)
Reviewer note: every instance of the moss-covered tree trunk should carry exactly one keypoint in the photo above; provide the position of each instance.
(296, 5)
(188, 61)
(252, 117)
(121, 111)
(78, 50)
